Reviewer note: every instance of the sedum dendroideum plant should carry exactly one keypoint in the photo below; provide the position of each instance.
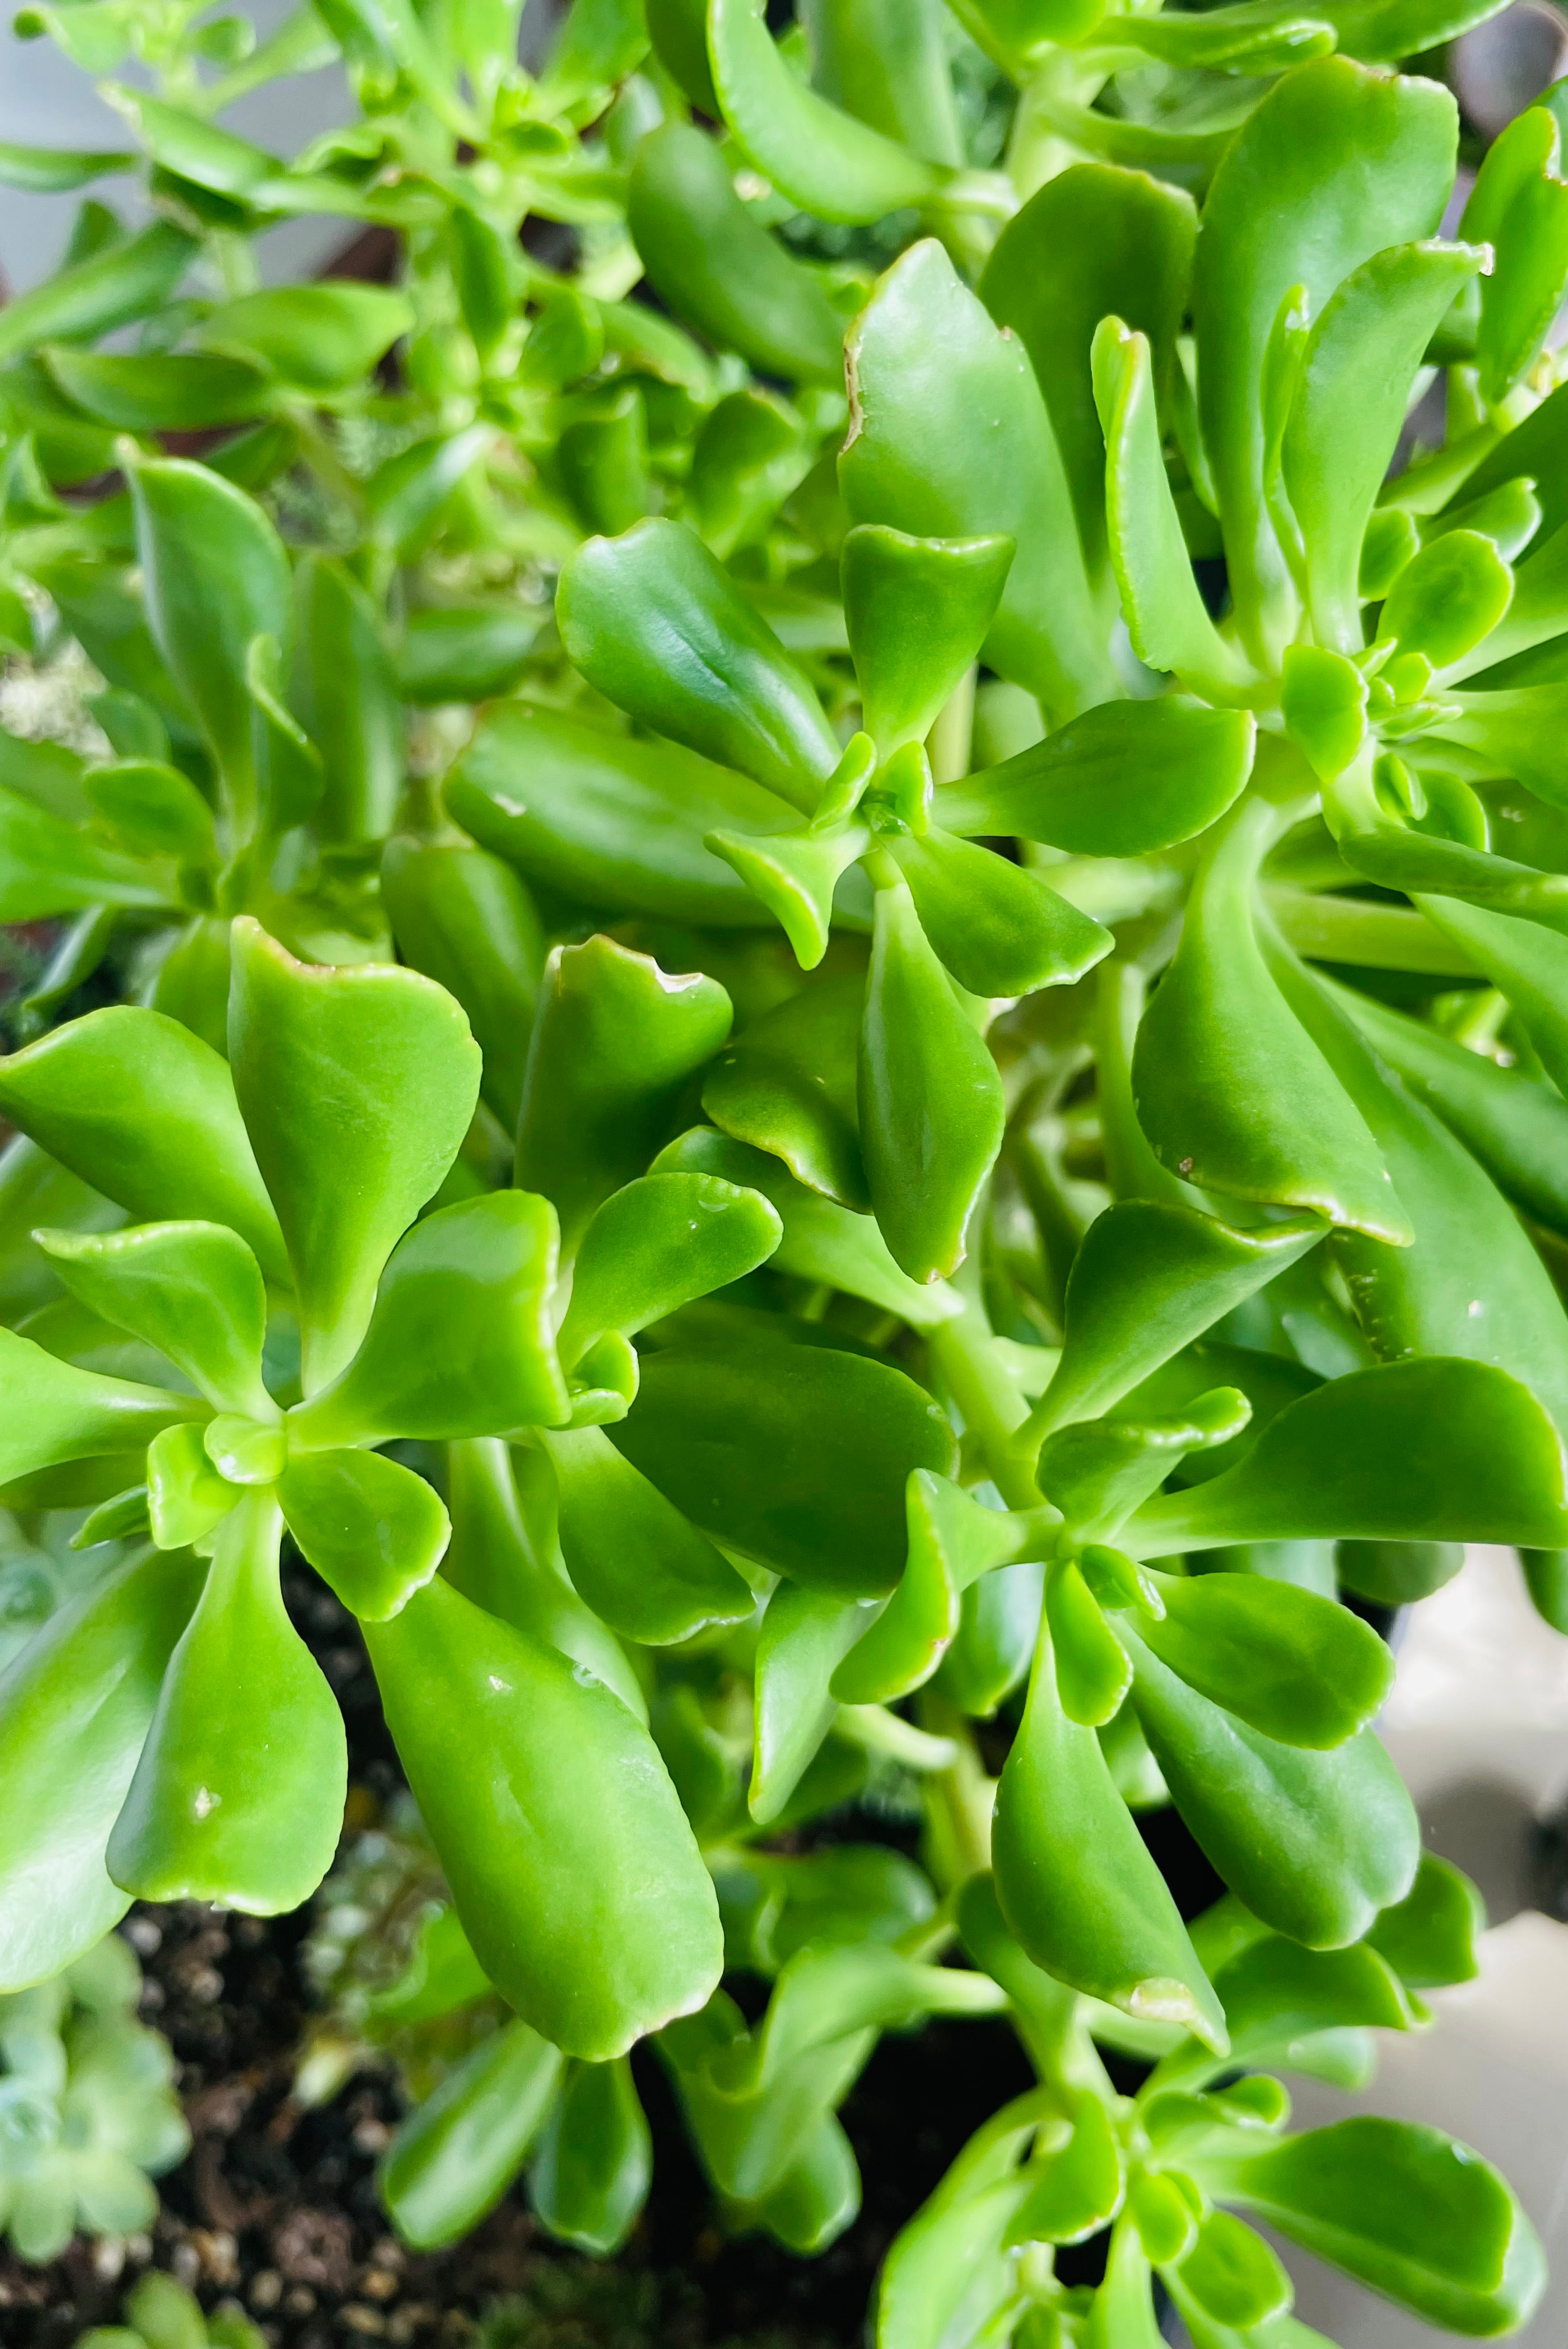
(939, 1110)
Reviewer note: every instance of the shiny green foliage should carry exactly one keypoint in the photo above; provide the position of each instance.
(776, 1081)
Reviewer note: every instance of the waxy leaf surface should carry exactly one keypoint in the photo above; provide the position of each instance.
(571, 1866)
(357, 1086)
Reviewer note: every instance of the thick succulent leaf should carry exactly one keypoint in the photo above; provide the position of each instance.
(614, 1042)
(824, 1995)
(150, 809)
(1050, 2017)
(1314, 1844)
(998, 1626)
(140, 1108)
(238, 1795)
(1228, 1088)
(1125, 779)
(1445, 1450)
(1397, 858)
(505, 1555)
(1513, 730)
(656, 1244)
(1514, 1125)
(805, 1635)
(594, 2162)
(1276, 1994)
(1519, 206)
(1449, 600)
(823, 1242)
(1166, 616)
(1470, 1283)
(463, 917)
(949, 439)
(133, 278)
(1122, 2316)
(642, 1567)
(930, 1106)
(1335, 164)
(456, 2155)
(775, 1904)
(786, 1084)
(193, 1290)
(1075, 1881)
(953, 1540)
(571, 1866)
(1078, 2189)
(373, 1530)
(1244, 35)
(918, 611)
(947, 2277)
(1286, 1660)
(817, 2196)
(186, 1494)
(1429, 1937)
(727, 1430)
(795, 873)
(1097, 1471)
(997, 927)
(1383, 31)
(215, 577)
(162, 390)
(357, 1086)
(1233, 2275)
(715, 265)
(1095, 241)
(1526, 960)
(1404, 2210)
(1349, 407)
(750, 452)
(343, 686)
(459, 1340)
(810, 150)
(608, 819)
(1396, 1574)
(52, 867)
(886, 61)
(53, 1412)
(75, 1708)
(324, 337)
(656, 626)
(1093, 1674)
(1147, 1280)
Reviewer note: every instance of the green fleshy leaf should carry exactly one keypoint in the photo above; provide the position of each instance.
(571, 1867)
(238, 1795)
(357, 1087)
(459, 1341)
(374, 1531)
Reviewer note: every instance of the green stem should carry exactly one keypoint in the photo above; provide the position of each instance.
(959, 1800)
(965, 1353)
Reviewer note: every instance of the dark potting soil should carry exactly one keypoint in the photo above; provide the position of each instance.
(275, 2209)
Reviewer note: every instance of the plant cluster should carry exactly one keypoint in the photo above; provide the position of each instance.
(87, 2115)
(813, 1036)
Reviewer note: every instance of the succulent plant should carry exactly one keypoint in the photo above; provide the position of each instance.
(967, 1126)
(89, 2117)
(160, 2313)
